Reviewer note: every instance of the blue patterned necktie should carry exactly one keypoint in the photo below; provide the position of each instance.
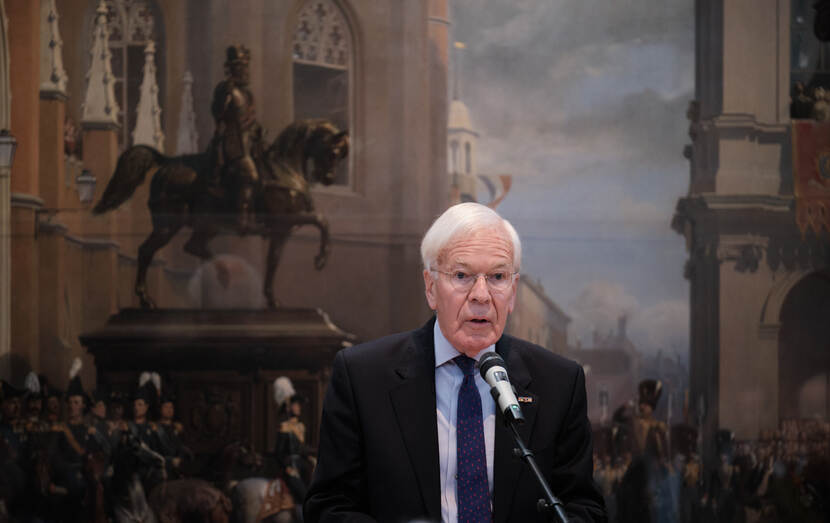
(472, 489)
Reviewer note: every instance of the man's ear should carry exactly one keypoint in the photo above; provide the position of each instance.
(429, 290)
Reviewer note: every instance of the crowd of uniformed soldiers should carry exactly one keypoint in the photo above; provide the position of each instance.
(47, 434)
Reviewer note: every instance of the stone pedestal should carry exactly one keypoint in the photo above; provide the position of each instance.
(221, 365)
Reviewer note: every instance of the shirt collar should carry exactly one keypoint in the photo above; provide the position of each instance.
(444, 351)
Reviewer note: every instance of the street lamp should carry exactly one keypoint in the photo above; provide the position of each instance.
(8, 144)
(85, 183)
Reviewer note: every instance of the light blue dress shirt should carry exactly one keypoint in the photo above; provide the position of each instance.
(448, 378)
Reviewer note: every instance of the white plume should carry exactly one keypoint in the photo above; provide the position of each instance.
(32, 383)
(77, 364)
(150, 376)
(283, 390)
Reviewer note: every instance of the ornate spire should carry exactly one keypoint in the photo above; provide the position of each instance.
(148, 113)
(100, 107)
(52, 74)
(187, 141)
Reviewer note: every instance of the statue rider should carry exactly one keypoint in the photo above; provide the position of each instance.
(237, 146)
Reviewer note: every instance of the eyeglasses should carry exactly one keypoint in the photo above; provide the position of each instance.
(498, 281)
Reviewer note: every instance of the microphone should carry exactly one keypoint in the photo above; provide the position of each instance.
(491, 367)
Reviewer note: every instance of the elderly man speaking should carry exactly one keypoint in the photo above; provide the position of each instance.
(409, 428)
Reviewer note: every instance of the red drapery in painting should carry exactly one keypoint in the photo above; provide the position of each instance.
(811, 173)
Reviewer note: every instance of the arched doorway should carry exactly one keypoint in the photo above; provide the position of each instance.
(804, 349)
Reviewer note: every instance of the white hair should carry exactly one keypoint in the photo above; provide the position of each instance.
(464, 219)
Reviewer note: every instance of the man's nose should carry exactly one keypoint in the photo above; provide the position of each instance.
(480, 292)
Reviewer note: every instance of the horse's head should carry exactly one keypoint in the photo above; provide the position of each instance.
(314, 147)
(133, 454)
(323, 150)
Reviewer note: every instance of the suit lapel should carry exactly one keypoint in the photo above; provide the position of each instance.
(507, 467)
(415, 414)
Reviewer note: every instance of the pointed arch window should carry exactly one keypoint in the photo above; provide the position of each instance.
(132, 24)
(322, 63)
(454, 156)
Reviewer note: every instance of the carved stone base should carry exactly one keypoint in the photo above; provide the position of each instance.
(221, 365)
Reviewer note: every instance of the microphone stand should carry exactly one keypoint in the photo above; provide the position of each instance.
(550, 504)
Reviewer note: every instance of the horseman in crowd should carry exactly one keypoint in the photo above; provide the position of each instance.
(237, 146)
(644, 493)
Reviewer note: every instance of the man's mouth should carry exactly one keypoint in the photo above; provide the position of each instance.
(479, 321)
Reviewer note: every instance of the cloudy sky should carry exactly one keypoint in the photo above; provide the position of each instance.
(584, 102)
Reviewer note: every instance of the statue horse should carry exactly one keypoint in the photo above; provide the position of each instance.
(184, 192)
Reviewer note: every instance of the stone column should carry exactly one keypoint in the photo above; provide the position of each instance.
(5, 269)
(24, 61)
(99, 123)
(51, 260)
(52, 108)
(438, 32)
(5, 207)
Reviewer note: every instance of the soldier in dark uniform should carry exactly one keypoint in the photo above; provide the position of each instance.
(12, 442)
(141, 429)
(237, 144)
(292, 455)
(11, 424)
(97, 420)
(140, 426)
(650, 433)
(170, 436)
(52, 402)
(116, 422)
(35, 396)
(73, 439)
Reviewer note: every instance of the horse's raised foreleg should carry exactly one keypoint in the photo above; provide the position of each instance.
(157, 239)
(323, 255)
(275, 245)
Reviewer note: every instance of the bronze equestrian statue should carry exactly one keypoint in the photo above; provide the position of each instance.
(183, 192)
(237, 144)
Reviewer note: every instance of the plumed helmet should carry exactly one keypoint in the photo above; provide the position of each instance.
(149, 387)
(650, 391)
(237, 54)
(75, 387)
(32, 386)
(283, 391)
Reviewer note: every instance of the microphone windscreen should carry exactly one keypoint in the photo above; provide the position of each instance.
(489, 360)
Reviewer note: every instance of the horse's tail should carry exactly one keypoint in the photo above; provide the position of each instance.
(133, 166)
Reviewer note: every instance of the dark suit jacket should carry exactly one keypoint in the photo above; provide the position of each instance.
(378, 457)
